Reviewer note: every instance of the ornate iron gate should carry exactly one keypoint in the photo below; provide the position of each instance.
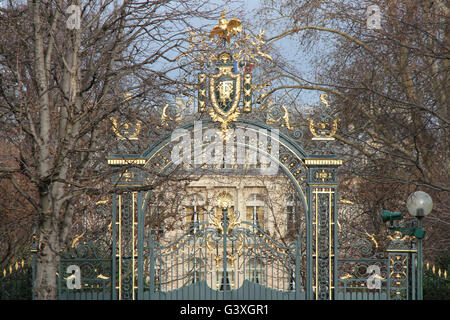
(139, 267)
(144, 266)
(224, 257)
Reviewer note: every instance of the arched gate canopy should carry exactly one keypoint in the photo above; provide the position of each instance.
(314, 178)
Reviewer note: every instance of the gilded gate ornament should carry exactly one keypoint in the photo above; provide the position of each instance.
(224, 90)
(226, 29)
(225, 94)
(284, 119)
(224, 200)
(325, 128)
(126, 130)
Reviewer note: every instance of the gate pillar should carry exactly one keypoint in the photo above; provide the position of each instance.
(322, 193)
(126, 204)
(402, 269)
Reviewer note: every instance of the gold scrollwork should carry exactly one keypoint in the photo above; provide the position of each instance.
(233, 222)
(372, 237)
(224, 200)
(202, 92)
(323, 131)
(217, 222)
(77, 238)
(322, 98)
(284, 117)
(165, 117)
(398, 236)
(127, 176)
(323, 175)
(259, 42)
(126, 134)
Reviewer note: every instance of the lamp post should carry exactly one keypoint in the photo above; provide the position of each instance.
(419, 205)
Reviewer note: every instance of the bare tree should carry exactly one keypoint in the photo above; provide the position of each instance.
(385, 68)
(66, 68)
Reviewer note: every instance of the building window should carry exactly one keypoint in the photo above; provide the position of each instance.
(196, 270)
(195, 212)
(291, 279)
(255, 271)
(228, 284)
(293, 213)
(255, 207)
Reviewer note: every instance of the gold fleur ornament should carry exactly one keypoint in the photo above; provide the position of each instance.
(126, 130)
(224, 200)
(325, 129)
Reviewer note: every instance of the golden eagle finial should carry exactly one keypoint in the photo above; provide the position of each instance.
(225, 29)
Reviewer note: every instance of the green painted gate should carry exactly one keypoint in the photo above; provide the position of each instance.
(227, 258)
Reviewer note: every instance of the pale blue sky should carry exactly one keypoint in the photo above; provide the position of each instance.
(291, 50)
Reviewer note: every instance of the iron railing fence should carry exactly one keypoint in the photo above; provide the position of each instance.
(436, 286)
(16, 282)
(95, 279)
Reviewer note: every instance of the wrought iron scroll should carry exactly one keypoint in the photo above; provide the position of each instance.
(279, 114)
(126, 222)
(363, 271)
(323, 243)
(401, 254)
(323, 127)
(94, 260)
(322, 240)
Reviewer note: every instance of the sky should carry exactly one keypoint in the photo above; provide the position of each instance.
(294, 53)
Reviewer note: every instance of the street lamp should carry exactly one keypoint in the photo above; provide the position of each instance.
(419, 205)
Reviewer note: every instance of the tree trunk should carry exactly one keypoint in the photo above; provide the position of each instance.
(45, 286)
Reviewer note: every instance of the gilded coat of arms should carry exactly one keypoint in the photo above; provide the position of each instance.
(224, 89)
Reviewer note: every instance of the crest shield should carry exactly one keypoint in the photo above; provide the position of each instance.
(225, 87)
